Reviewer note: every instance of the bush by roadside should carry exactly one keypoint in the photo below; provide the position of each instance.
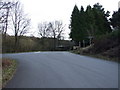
(105, 47)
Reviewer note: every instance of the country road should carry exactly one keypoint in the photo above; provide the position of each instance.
(62, 70)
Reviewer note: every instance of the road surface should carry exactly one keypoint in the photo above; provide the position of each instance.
(62, 70)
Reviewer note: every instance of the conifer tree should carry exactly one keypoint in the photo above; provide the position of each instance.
(101, 21)
(74, 24)
(115, 20)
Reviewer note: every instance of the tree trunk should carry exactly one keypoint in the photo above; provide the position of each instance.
(80, 44)
(16, 41)
(54, 47)
(6, 25)
(54, 44)
(83, 43)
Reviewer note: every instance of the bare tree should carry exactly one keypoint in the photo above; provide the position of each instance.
(56, 29)
(53, 30)
(20, 22)
(5, 8)
(43, 30)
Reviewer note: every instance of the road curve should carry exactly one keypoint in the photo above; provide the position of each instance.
(62, 70)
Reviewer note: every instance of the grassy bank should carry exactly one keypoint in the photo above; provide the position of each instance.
(8, 70)
(105, 47)
(0, 73)
(96, 56)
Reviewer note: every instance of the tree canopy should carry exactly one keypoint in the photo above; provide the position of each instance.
(115, 20)
(88, 23)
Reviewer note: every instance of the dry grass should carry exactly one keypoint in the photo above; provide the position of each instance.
(0, 73)
(8, 70)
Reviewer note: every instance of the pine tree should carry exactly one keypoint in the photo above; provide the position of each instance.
(82, 27)
(77, 26)
(74, 24)
(101, 21)
(90, 21)
(115, 20)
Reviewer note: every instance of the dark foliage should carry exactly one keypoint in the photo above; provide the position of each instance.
(107, 45)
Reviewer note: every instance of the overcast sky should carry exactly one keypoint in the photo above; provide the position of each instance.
(50, 10)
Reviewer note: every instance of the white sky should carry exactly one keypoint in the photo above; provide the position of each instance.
(50, 10)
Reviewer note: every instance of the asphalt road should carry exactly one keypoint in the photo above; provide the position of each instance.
(62, 70)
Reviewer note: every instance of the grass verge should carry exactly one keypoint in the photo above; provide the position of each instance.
(96, 56)
(8, 70)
